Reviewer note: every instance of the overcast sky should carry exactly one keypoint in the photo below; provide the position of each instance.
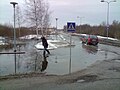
(93, 12)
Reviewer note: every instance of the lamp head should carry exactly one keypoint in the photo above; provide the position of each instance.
(14, 3)
(102, 1)
(110, 1)
(56, 18)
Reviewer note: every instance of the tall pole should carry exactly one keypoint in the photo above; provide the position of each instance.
(108, 3)
(56, 27)
(107, 19)
(14, 3)
(70, 63)
(80, 21)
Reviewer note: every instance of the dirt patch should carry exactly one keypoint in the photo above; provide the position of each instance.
(117, 69)
(26, 75)
(110, 42)
(84, 78)
(88, 78)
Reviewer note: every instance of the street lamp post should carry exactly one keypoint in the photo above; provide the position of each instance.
(14, 3)
(80, 21)
(108, 2)
(56, 27)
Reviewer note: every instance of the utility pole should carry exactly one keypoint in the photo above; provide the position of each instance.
(56, 27)
(14, 3)
(108, 3)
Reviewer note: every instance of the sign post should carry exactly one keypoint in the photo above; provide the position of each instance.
(70, 29)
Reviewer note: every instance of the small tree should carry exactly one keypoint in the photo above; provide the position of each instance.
(46, 19)
(37, 14)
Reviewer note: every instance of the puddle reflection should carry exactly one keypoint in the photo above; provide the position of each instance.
(90, 49)
(33, 63)
(57, 62)
(44, 64)
(36, 62)
(5, 47)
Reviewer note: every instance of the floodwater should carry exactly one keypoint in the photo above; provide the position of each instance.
(59, 60)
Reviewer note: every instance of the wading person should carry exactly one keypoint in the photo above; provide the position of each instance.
(45, 45)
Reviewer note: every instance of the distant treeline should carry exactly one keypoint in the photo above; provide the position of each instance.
(114, 29)
(8, 31)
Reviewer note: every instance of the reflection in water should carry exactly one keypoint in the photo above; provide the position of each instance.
(106, 54)
(5, 47)
(18, 57)
(33, 59)
(90, 49)
(44, 64)
(37, 62)
(10, 46)
(34, 62)
(18, 62)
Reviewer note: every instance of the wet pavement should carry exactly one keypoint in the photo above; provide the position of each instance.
(59, 60)
(93, 68)
(102, 75)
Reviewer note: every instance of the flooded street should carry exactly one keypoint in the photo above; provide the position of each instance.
(59, 60)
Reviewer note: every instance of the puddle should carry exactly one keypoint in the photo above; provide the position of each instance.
(59, 60)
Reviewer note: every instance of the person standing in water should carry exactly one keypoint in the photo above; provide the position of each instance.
(45, 45)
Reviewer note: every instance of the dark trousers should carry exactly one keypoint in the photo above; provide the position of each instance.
(44, 52)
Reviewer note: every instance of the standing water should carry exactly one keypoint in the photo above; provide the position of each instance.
(58, 62)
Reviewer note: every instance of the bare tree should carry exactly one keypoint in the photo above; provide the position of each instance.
(19, 18)
(46, 19)
(36, 14)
